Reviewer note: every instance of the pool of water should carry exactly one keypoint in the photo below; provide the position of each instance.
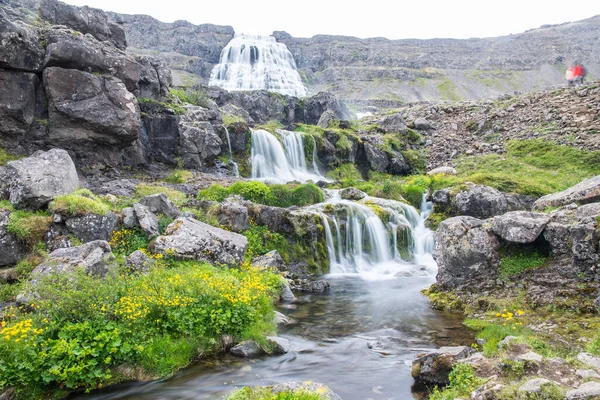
(359, 338)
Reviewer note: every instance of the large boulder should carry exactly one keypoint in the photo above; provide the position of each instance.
(34, 181)
(520, 226)
(434, 368)
(161, 204)
(147, 220)
(69, 49)
(88, 109)
(377, 159)
(85, 20)
(584, 192)
(247, 349)
(21, 47)
(94, 257)
(199, 145)
(233, 214)
(17, 103)
(587, 391)
(11, 249)
(481, 202)
(442, 171)
(352, 194)
(271, 260)
(155, 79)
(92, 227)
(316, 105)
(187, 238)
(466, 251)
(393, 124)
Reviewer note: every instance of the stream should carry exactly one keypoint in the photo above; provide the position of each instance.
(359, 338)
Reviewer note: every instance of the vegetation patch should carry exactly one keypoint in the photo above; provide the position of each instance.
(80, 328)
(29, 227)
(80, 202)
(515, 261)
(463, 381)
(272, 195)
(148, 103)
(179, 176)
(259, 393)
(145, 189)
(196, 97)
(6, 157)
(261, 240)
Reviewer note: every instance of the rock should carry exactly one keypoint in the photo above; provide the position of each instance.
(352, 194)
(534, 385)
(155, 78)
(119, 187)
(587, 374)
(199, 144)
(275, 218)
(68, 49)
(377, 159)
(328, 120)
(247, 349)
(272, 260)
(590, 360)
(316, 105)
(11, 249)
(442, 199)
(584, 192)
(434, 368)
(481, 202)
(17, 104)
(280, 345)
(94, 257)
(466, 251)
(398, 164)
(139, 262)
(34, 181)
(422, 124)
(394, 124)
(233, 214)
(161, 204)
(520, 226)
(92, 227)
(287, 296)
(281, 319)
(311, 387)
(587, 391)
(85, 20)
(129, 218)
(21, 48)
(85, 109)
(488, 391)
(147, 220)
(442, 171)
(314, 286)
(187, 238)
(530, 357)
(504, 343)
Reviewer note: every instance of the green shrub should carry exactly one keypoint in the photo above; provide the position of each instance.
(258, 393)
(513, 262)
(192, 96)
(261, 240)
(345, 172)
(261, 193)
(30, 227)
(462, 382)
(83, 327)
(80, 202)
(125, 241)
(179, 176)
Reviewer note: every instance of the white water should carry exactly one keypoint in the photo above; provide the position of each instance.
(274, 162)
(360, 243)
(236, 169)
(250, 62)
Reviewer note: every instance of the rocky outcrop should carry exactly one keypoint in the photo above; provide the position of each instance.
(466, 251)
(161, 204)
(585, 192)
(17, 104)
(316, 105)
(92, 227)
(433, 368)
(587, 391)
(87, 109)
(94, 257)
(187, 238)
(85, 20)
(34, 181)
(520, 226)
(272, 261)
(21, 48)
(146, 220)
(198, 142)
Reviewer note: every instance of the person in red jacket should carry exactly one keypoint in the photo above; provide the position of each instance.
(578, 74)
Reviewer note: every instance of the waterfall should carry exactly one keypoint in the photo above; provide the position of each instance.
(284, 161)
(236, 169)
(250, 62)
(376, 237)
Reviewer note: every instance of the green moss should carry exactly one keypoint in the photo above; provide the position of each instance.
(463, 381)
(229, 119)
(78, 203)
(6, 205)
(30, 227)
(261, 240)
(448, 90)
(416, 160)
(177, 109)
(271, 126)
(179, 176)
(196, 97)
(443, 300)
(514, 262)
(259, 393)
(146, 189)
(345, 172)
(6, 157)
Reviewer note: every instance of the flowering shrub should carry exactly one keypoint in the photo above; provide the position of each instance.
(81, 327)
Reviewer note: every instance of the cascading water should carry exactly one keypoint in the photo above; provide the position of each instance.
(250, 62)
(236, 169)
(374, 237)
(284, 161)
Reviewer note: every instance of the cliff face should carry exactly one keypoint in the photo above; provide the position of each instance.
(444, 69)
(189, 50)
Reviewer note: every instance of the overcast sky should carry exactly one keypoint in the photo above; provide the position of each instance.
(393, 19)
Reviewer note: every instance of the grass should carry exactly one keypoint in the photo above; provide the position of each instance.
(178, 110)
(29, 227)
(272, 195)
(6, 157)
(81, 202)
(229, 119)
(259, 393)
(271, 126)
(514, 262)
(179, 176)
(463, 381)
(146, 189)
(191, 96)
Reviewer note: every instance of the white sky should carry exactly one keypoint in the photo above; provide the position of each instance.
(393, 19)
